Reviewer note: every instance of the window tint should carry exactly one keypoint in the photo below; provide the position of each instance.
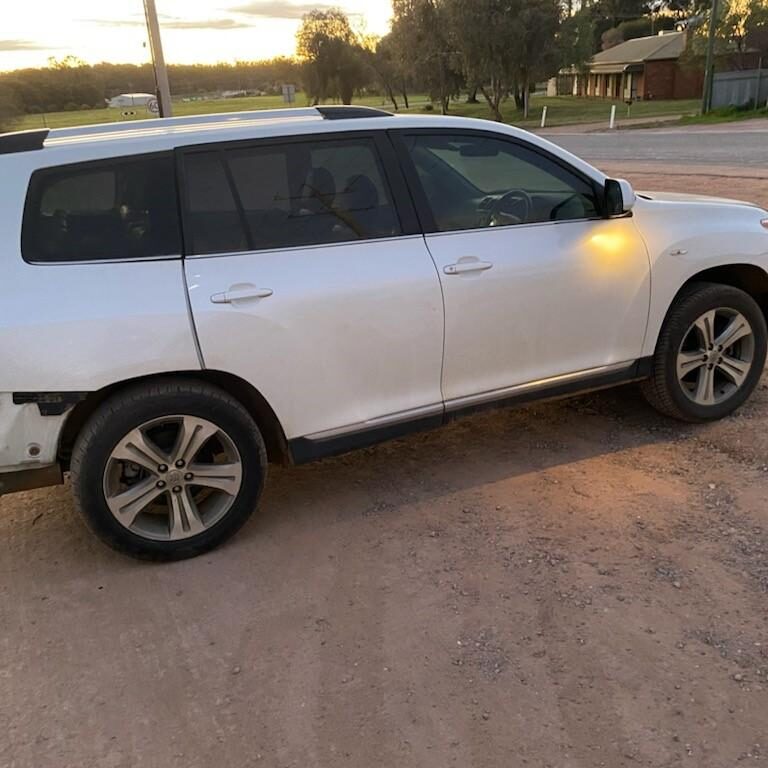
(292, 194)
(214, 221)
(109, 209)
(476, 181)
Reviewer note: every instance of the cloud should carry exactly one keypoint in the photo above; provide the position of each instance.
(205, 24)
(171, 22)
(22, 45)
(279, 9)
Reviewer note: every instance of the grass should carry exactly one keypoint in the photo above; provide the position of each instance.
(561, 110)
(726, 115)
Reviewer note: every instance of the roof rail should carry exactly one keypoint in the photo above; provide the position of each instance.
(345, 113)
(171, 122)
(22, 141)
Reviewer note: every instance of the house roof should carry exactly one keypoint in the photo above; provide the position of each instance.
(639, 50)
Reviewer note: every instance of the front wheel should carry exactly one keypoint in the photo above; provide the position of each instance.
(710, 354)
(168, 470)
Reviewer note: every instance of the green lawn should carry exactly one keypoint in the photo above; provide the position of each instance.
(561, 110)
(726, 115)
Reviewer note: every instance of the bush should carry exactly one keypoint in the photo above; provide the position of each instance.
(429, 107)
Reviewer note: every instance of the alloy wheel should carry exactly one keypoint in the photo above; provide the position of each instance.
(172, 478)
(715, 356)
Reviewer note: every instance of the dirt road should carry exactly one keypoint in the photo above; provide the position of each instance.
(572, 585)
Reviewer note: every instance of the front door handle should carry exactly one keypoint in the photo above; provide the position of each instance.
(240, 294)
(462, 267)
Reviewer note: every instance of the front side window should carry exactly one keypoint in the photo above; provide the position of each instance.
(474, 181)
(107, 209)
(285, 195)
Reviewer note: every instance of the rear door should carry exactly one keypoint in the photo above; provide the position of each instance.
(308, 277)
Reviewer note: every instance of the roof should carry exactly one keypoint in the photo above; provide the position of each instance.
(23, 152)
(24, 141)
(639, 50)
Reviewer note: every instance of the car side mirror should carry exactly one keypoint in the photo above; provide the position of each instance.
(619, 197)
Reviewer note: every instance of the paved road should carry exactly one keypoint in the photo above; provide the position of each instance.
(733, 144)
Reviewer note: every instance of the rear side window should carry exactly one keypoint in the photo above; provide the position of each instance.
(123, 208)
(269, 196)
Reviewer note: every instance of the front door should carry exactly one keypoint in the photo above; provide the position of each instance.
(309, 281)
(536, 284)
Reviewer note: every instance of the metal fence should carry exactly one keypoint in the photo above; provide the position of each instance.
(737, 89)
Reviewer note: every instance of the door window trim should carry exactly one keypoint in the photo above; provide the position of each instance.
(385, 155)
(423, 209)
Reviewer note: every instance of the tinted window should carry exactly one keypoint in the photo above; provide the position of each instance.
(284, 195)
(214, 221)
(109, 209)
(477, 181)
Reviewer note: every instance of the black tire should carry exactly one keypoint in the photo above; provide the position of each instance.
(137, 405)
(663, 390)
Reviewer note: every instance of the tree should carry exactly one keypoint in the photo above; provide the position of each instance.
(385, 62)
(741, 25)
(757, 28)
(577, 40)
(539, 53)
(488, 35)
(333, 62)
(9, 107)
(428, 54)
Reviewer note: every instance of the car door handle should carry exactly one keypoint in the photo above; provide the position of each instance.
(240, 294)
(462, 267)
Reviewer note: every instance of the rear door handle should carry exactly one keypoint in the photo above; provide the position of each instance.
(462, 267)
(240, 294)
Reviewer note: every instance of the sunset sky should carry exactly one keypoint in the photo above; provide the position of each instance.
(193, 30)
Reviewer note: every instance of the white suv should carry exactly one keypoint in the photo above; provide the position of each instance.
(185, 300)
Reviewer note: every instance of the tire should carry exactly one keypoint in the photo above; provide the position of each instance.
(182, 514)
(680, 343)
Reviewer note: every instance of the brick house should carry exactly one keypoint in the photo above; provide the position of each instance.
(643, 68)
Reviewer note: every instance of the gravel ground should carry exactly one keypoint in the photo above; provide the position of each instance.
(571, 585)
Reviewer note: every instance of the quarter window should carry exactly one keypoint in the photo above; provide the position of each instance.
(286, 195)
(474, 181)
(108, 209)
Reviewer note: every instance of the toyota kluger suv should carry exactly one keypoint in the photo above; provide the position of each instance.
(186, 300)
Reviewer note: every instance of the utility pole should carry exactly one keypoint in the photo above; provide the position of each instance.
(163, 89)
(706, 101)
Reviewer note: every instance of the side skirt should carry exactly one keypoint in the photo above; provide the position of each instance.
(305, 449)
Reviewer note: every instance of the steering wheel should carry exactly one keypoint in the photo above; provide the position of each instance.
(514, 207)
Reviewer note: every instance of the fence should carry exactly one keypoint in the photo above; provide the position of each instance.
(737, 89)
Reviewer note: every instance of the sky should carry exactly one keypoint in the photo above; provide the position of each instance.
(202, 31)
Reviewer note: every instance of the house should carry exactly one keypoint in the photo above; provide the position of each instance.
(643, 68)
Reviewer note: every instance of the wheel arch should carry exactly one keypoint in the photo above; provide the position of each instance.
(749, 278)
(245, 393)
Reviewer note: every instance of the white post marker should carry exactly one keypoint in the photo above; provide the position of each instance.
(289, 93)
(543, 116)
(612, 124)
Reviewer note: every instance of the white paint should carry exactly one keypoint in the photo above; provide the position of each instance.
(351, 333)
(354, 333)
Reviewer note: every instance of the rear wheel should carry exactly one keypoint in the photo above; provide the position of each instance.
(168, 470)
(710, 354)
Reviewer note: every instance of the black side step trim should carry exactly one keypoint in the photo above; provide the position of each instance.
(348, 113)
(304, 449)
(22, 141)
